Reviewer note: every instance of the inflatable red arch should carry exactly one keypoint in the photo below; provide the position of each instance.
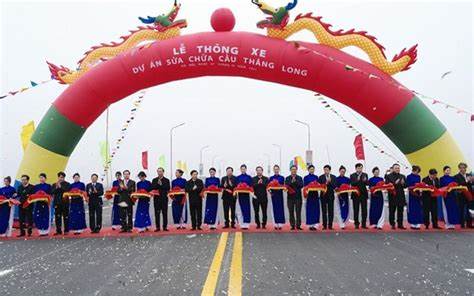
(394, 109)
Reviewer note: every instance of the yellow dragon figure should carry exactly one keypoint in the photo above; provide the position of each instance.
(278, 26)
(161, 27)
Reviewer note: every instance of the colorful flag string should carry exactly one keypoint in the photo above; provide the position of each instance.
(446, 105)
(23, 89)
(390, 82)
(381, 150)
(125, 127)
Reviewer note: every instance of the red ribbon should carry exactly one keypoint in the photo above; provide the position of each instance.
(109, 194)
(11, 201)
(177, 191)
(381, 186)
(38, 196)
(242, 188)
(314, 186)
(346, 188)
(210, 189)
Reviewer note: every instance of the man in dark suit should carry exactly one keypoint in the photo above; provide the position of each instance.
(162, 184)
(396, 200)
(26, 214)
(260, 183)
(360, 180)
(95, 191)
(430, 203)
(295, 200)
(194, 188)
(126, 188)
(327, 199)
(61, 205)
(462, 178)
(228, 184)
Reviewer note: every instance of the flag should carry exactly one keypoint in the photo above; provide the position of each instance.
(162, 161)
(26, 132)
(182, 166)
(145, 160)
(33, 84)
(104, 152)
(359, 147)
(300, 163)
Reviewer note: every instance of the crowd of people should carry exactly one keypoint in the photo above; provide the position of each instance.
(427, 199)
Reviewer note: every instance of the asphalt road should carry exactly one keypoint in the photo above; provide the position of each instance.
(272, 264)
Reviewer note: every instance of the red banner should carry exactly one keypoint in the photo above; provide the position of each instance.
(359, 147)
(145, 160)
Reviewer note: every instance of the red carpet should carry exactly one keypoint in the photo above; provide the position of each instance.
(109, 232)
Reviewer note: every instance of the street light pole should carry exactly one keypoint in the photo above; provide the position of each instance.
(268, 163)
(201, 164)
(309, 131)
(171, 147)
(309, 153)
(279, 150)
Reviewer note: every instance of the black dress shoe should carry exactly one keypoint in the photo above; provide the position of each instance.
(299, 228)
(364, 226)
(233, 227)
(21, 235)
(123, 231)
(356, 226)
(194, 228)
(225, 227)
(199, 228)
(402, 227)
(157, 230)
(393, 227)
(330, 227)
(165, 229)
(258, 226)
(436, 227)
(264, 226)
(293, 228)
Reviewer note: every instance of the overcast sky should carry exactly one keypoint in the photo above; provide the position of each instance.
(240, 119)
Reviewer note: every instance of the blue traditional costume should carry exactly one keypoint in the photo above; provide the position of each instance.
(278, 203)
(6, 211)
(115, 207)
(415, 206)
(41, 210)
(77, 214)
(377, 205)
(343, 203)
(244, 202)
(212, 202)
(313, 210)
(178, 206)
(450, 207)
(142, 213)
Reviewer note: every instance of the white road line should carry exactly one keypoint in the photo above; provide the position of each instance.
(5, 272)
(469, 270)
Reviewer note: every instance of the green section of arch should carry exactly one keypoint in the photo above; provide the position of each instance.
(56, 133)
(414, 128)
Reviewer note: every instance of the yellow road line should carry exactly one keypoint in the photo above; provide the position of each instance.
(235, 276)
(213, 275)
